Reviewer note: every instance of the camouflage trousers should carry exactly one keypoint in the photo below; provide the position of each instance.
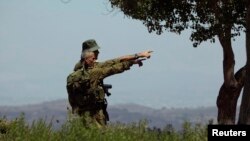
(92, 118)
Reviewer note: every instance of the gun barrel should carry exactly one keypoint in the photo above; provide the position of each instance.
(107, 86)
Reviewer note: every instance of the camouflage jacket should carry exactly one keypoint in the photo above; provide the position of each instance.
(111, 62)
(78, 65)
(101, 71)
(85, 86)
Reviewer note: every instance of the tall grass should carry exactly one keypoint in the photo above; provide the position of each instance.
(73, 130)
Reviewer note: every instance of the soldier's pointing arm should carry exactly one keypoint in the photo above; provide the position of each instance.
(103, 72)
(144, 54)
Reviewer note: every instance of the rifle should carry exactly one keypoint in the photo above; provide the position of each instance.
(106, 88)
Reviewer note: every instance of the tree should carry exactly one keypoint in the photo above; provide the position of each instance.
(244, 117)
(207, 19)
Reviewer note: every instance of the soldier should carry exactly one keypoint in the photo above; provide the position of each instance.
(86, 94)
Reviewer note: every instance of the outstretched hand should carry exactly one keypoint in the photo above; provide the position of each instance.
(146, 54)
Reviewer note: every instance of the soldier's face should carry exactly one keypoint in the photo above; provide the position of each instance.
(90, 60)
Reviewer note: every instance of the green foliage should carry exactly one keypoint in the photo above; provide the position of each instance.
(195, 133)
(206, 18)
(73, 130)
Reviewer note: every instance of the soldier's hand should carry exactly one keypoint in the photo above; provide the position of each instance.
(139, 62)
(146, 54)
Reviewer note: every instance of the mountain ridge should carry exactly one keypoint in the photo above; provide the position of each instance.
(56, 111)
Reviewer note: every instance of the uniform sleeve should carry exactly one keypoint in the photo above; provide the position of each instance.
(108, 63)
(101, 73)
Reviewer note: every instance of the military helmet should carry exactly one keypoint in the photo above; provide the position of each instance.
(90, 45)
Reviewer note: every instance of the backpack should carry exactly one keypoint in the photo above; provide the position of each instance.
(75, 80)
(77, 89)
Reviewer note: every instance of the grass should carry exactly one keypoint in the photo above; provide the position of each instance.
(73, 130)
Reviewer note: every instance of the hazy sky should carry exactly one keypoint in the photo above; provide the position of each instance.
(40, 42)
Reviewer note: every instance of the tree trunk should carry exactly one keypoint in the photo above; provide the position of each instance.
(244, 116)
(228, 59)
(230, 90)
(227, 99)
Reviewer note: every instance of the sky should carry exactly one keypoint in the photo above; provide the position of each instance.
(40, 42)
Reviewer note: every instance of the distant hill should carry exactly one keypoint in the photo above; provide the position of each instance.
(56, 111)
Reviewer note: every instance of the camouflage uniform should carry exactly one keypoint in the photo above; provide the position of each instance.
(78, 66)
(89, 101)
(107, 63)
